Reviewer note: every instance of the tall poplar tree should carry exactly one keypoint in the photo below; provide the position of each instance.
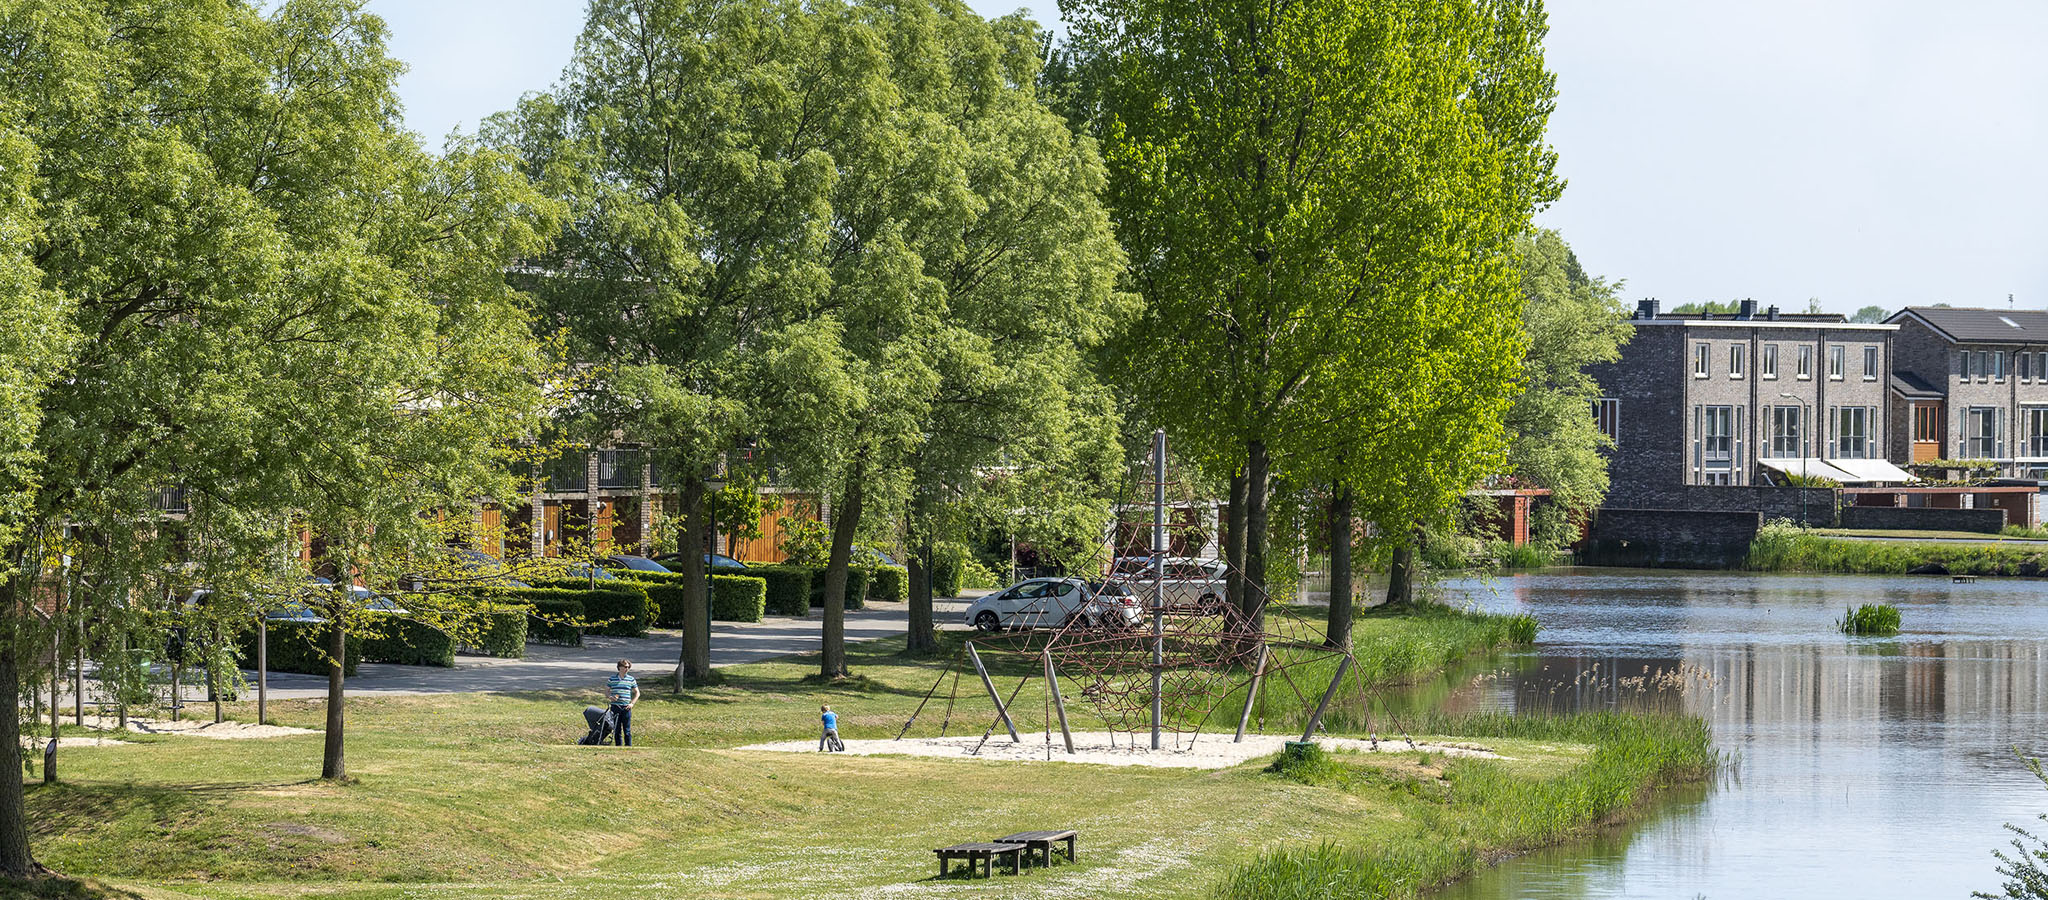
(1307, 188)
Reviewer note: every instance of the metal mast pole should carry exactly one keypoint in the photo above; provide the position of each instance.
(1158, 573)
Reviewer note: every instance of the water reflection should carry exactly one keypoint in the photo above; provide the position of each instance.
(1866, 767)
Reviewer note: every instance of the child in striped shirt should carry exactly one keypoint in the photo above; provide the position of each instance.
(624, 691)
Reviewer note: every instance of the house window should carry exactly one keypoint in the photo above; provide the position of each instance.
(1965, 367)
(1983, 438)
(2020, 363)
(1736, 358)
(2041, 366)
(2037, 430)
(1716, 445)
(1926, 424)
(1998, 365)
(1983, 365)
(1785, 429)
(1607, 415)
(1770, 361)
(1870, 364)
(1838, 364)
(1852, 432)
(1701, 359)
(1805, 362)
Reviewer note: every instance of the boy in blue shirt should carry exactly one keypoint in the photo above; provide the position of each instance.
(830, 739)
(624, 691)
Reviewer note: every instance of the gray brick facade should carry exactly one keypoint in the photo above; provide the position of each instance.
(1985, 375)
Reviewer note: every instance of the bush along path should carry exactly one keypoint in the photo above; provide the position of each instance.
(1781, 546)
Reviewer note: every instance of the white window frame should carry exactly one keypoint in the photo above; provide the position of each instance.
(1737, 356)
(1786, 424)
(1805, 362)
(1702, 359)
(1983, 366)
(1838, 362)
(2035, 420)
(1768, 367)
(1998, 366)
(1607, 418)
(1870, 365)
(1977, 445)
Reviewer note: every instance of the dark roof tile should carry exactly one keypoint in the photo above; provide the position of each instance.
(1983, 326)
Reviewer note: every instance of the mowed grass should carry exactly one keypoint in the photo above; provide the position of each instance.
(473, 795)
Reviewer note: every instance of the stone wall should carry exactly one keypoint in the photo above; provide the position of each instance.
(1673, 538)
(1922, 518)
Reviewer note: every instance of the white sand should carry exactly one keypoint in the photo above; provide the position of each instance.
(1206, 752)
(206, 728)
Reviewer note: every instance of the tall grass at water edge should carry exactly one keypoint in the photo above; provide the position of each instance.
(1781, 546)
(1489, 809)
(1870, 618)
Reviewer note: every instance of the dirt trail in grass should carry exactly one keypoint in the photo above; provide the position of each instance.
(1105, 748)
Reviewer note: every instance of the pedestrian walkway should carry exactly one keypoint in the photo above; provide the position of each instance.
(550, 668)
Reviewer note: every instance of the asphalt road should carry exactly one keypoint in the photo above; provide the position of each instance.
(550, 668)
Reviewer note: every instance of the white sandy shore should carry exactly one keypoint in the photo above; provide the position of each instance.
(1205, 752)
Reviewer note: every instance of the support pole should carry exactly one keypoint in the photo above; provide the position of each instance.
(1252, 696)
(1158, 574)
(1059, 704)
(1002, 712)
(262, 670)
(78, 680)
(1343, 665)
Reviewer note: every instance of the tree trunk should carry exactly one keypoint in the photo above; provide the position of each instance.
(1233, 541)
(15, 860)
(1255, 488)
(332, 766)
(1338, 634)
(845, 518)
(920, 636)
(694, 661)
(1401, 574)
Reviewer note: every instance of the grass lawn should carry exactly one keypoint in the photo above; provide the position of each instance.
(476, 795)
(1924, 535)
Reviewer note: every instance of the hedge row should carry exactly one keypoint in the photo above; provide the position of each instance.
(788, 589)
(409, 643)
(738, 598)
(553, 620)
(856, 587)
(617, 607)
(299, 647)
(504, 633)
(732, 600)
(889, 584)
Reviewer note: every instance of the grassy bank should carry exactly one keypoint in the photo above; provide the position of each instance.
(475, 795)
(1479, 809)
(1783, 547)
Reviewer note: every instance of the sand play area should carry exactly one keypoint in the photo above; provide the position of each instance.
(1205, 752)
(202, 728)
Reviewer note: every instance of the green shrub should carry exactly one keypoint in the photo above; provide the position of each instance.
(738, 598)
(665, 598)
(788, 589)
(856, 587)
(1870, 618)
(554, 618)
(949, 562)
(300, 647)
(889, 584)
(618, 607)
(503, 634)
(408, 643)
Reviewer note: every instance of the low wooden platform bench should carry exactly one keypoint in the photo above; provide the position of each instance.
(986, 854)
(1041, 841)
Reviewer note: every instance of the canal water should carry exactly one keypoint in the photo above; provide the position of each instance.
(1860, 767)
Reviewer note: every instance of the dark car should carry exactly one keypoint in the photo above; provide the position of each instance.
(636, 564)
(715, 560)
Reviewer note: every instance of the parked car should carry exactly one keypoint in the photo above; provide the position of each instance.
(672, 561)
(1188, 581)
(1051, 603)
(636, 564)
(483, 568)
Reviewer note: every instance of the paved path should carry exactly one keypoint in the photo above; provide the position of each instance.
(551, 668)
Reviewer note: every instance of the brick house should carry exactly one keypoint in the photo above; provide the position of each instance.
(1739, 401)
(1972, 384)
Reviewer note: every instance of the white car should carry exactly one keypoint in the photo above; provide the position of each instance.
(1052, 603)
(1189, 581)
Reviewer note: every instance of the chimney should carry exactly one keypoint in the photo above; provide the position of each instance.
(1772, 313)
(1747, 310)
(1646, 309)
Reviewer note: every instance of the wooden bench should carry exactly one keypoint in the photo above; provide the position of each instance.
(1964, 579)
(986, 854)
(1041, 841)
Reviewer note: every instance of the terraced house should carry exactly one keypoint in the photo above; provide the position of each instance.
(1755, 398)
(1971, 384)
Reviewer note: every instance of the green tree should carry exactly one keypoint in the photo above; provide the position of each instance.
(1572, 321)
(1870, 315)
(1708, 307)
(1305, 190)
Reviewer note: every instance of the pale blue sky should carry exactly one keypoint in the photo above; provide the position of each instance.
(1859, 151)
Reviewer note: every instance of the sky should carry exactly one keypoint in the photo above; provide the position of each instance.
(1857, 152)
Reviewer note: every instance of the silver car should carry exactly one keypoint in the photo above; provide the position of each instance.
(1052, 603)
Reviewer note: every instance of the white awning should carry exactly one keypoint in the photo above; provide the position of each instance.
(1843, 471)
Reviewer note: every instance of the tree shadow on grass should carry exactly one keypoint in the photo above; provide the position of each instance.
(57, 887)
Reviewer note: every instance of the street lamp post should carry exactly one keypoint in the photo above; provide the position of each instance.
(1805, 447)
(712, 486)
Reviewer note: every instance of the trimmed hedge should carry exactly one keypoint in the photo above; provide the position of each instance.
(788, 589)
(552, 618)
(889, 584)
(297, 647)
(409, 643)
(504, 632)
(618, 607)
(738, 598)
(856, 587)
(949, 561)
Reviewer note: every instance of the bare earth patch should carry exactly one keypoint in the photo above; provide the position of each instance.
(1104, 748)
(225, 731)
